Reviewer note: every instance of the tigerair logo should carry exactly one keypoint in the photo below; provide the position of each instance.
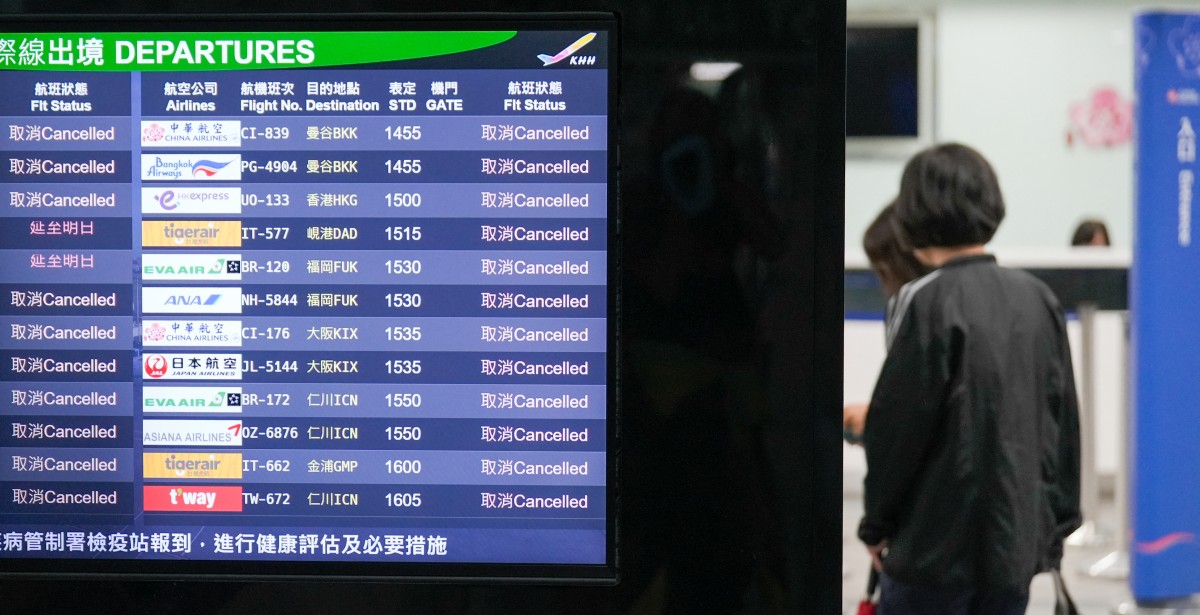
(192, 465)
(191, 234)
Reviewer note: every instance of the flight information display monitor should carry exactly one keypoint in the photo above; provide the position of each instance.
(325, 296)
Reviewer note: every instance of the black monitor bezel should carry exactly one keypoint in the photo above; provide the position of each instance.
(219, 570)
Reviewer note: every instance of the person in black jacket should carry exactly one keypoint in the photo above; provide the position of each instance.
(972, 435)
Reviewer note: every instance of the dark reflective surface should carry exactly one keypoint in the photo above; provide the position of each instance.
(730, 472)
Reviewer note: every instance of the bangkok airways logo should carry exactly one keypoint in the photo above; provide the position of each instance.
(207, 168)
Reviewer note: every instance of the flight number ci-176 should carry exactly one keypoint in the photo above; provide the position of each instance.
(270, 333)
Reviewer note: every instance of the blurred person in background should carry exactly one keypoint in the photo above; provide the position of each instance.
(973, 440)
(893, 262)
(1091, 233)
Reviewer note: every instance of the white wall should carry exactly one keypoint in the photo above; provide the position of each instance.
(1006, 76)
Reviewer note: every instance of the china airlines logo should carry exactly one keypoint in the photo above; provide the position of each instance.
(155, 333)
(153, 133)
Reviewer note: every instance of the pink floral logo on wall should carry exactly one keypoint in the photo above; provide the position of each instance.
(1104, 120)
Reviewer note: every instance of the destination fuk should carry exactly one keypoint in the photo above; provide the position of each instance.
(192, 367)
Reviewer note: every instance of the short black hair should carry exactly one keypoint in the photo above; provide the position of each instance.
(884, 243)
(949, 196)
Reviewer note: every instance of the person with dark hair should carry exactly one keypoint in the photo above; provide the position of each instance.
(1090, 233)
(972, 444)
(893, 262)
(890, 255)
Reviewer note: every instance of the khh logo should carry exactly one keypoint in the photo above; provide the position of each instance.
(570, 50)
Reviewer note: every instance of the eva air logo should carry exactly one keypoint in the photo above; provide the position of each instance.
(569, 51)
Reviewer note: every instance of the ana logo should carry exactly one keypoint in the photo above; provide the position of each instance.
(156, 366)
(192, 300)
(207, 168)
(166, 200)
(153, 133)
(570, 50)
(154, 333)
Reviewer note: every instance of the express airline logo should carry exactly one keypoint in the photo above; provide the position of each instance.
(166, 200)
(207, 169)
(203, 466)
(194, 201)
(159, 498)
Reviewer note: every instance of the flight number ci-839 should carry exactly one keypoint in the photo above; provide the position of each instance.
(266, 132)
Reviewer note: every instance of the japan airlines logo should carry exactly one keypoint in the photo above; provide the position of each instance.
(156, 366)
(570, 50)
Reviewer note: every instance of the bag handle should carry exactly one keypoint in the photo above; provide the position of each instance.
(1063, 604)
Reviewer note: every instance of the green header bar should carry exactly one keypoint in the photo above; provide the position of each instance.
(185, 51)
